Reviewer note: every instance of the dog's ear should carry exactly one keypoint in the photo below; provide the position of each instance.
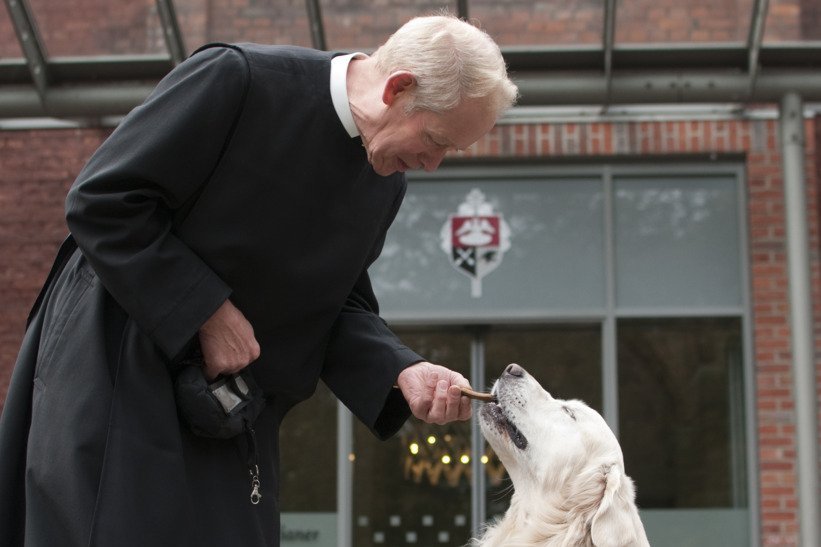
(616, 522)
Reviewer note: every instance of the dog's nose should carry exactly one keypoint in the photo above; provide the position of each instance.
(515, 370)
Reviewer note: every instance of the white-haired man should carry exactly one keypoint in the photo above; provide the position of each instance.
(233, 215)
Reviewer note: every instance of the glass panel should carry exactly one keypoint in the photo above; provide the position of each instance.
(9, 46)
(361, 25)
(699, 21)
(435, 258)
(542, 22)
(565, 359)
(404, 491)
(793, 21)
(697, 527)
(681, 419)
(677, 242)
(99, 27)
(260, 21)
(308, 456)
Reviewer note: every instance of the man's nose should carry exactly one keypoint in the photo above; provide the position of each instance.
(431, 160)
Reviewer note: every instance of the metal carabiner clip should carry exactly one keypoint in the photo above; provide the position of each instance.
(255, 494)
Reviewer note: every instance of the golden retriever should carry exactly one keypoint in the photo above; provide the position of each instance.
(567, 469)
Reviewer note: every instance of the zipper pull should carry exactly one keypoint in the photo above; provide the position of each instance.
(255, 495)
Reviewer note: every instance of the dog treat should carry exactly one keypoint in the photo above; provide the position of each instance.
(486, 397)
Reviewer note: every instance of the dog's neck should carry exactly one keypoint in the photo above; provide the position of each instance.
(547, 523)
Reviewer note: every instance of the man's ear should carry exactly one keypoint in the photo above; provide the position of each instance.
(399, 82)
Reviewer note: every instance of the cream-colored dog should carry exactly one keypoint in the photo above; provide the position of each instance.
(567, 469)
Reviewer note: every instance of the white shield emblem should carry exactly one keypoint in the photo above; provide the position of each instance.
(475, 239)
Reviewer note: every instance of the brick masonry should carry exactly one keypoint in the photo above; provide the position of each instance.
(72, 27)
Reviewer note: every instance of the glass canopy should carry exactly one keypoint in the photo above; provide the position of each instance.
(98, 27)
(123, 27)
(560, 52)
(8, 45)
(696, 21)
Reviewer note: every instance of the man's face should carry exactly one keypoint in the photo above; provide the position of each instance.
(421, 139)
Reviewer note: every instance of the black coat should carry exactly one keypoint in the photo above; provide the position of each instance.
(235, 179)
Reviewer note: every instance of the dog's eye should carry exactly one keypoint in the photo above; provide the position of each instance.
(569, 412)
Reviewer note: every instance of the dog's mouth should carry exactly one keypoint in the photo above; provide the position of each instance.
(495, 412)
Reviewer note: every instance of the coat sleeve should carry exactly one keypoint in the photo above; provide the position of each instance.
(364, 357)
(121, 208)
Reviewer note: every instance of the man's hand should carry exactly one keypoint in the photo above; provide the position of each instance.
(433, 394)
(227, 342)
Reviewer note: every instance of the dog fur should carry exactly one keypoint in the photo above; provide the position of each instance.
(567, 469)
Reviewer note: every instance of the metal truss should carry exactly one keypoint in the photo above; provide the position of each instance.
(604, 75)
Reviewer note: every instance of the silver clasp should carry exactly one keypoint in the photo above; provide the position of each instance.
(255, 495)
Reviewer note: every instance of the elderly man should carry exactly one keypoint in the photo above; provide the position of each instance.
(235, 213)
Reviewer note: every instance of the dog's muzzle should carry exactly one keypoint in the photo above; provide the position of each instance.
(494, 413)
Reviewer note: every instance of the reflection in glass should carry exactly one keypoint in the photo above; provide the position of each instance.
(696, 21)
(99, 27)
(259, 21)
(308, 455)
(793, 21)
(541, 22)
(358, 25)
(9, 46)
(416, 485)
(681, 411)
(677, 242)
(565, 359)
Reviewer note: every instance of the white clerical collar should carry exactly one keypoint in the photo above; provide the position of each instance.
(339, 91)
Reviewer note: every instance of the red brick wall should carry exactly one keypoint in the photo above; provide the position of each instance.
(8, 40)
(36, 169)
(810, 19)
(89, 27)
(75, 27)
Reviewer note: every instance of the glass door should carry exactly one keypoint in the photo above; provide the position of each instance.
(414, 489)
(565, 359)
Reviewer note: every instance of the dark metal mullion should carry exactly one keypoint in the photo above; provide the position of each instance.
(171, 30)
(462, 9)
(31, 44)
(316, 24)
(608, 39)
(754, 39)
(478, 492)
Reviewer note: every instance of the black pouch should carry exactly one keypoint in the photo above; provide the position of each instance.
(221, 409)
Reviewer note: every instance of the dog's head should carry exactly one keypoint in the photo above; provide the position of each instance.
(566, 466)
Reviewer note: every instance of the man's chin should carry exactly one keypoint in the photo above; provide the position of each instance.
(384, 172)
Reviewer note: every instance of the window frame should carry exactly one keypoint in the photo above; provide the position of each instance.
(607, 317)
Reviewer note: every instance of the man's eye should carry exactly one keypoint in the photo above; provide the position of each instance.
(433, 142)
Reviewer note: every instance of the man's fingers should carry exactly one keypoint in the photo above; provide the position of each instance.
(454, 397)
(448, 405)
(465, 409)
(439, 405)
